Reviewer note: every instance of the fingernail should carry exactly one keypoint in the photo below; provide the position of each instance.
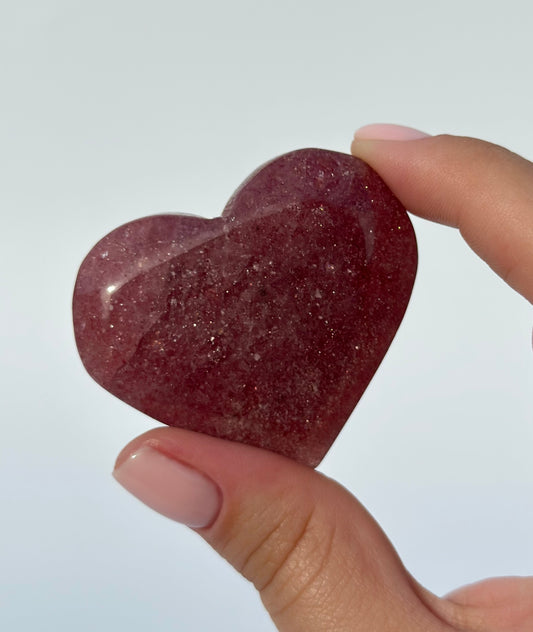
(387, 131)
(170, 487)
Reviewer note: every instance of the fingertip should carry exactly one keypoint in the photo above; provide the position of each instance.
(233, 466)
(467, 183)
(388, 131)
(170, 487)
(385, 146)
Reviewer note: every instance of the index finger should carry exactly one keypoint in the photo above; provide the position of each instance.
(484, 190)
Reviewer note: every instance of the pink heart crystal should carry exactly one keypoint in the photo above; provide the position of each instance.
(264, 325)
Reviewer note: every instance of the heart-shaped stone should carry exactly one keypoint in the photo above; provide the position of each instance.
(264, 325)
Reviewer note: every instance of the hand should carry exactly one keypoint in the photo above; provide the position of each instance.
(318, 559)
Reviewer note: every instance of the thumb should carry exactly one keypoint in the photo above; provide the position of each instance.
(318, 559)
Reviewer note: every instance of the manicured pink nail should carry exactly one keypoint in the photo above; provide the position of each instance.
(170, 487)
(387, 131)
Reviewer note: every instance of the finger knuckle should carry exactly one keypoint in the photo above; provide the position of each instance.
(300, 573)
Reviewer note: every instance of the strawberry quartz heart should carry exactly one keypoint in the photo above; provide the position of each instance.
(264, 325)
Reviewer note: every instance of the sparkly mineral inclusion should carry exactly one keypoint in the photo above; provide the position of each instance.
(264, 325)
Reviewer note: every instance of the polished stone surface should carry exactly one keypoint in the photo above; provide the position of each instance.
(264, 325)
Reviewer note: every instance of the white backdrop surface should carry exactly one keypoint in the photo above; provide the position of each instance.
(115, 109)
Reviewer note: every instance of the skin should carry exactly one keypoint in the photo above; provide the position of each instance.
(318, 559)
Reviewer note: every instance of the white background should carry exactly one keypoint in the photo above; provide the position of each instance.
(111, 110)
